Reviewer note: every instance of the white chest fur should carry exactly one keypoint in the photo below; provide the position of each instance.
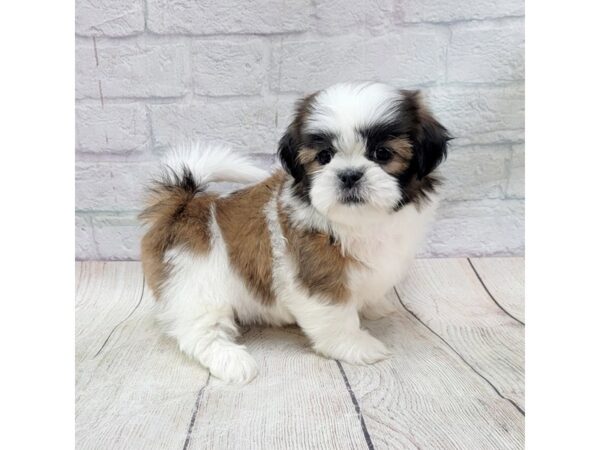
(386, 250)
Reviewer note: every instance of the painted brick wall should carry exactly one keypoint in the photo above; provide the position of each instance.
(151, 73)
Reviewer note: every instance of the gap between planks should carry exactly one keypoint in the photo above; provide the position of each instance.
(490, 294)
(363, 425)
(139, 302)
(188, 437)
(457, 353)
(353, 398)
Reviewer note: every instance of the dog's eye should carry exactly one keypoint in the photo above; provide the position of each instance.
(324, 156)
(381, 154)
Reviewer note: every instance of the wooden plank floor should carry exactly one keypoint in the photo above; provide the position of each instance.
(456, 380)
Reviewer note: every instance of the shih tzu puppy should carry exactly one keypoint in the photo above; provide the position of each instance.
(318, 243)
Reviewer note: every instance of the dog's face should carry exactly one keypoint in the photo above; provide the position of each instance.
(357, 151)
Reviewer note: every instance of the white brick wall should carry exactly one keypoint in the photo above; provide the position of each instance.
(151, 73)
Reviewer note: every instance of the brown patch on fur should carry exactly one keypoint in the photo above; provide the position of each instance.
(241, 218)
(402, 154)
(290, 144)
(401, 147)
(322, 268)
(178, 218)
(307, 157)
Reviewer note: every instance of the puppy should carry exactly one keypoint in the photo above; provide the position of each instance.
(318, 243)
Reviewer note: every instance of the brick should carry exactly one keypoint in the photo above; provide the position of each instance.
(339, 16)
(245, 124)
(411, 57)
(411, 11)
(487, 52)
(85, 246)
(284, 111)
(480, 115)
(132, 68)
(228, 16)
(111, 186)
(306, 66)
(112, 128)
(109, 17)
(118, 236)
(268, 161)
(516, 179)
(475, 172)
(356, 41)
(477, 228)
(470, 228)
(228, 68)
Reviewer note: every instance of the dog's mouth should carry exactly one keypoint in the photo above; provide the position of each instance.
(351, 196)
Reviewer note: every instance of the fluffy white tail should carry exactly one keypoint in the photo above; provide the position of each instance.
(187, 170)
(210, 163)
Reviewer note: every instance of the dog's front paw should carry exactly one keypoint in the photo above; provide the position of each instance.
(379, 310)
(234, 366)
(359, 348)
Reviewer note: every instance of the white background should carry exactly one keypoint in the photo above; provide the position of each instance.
(37, 320)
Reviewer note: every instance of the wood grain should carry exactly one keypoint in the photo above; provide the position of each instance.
(298, 401)
(453, 361)
(105, 294)
(426, 397)
(140, 391)
(446, 295)
(505, 280)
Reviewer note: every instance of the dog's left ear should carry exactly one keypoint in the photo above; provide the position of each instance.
(289, 144)
(429, 138)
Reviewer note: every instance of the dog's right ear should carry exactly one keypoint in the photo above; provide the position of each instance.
(428, 137)
(288, 153)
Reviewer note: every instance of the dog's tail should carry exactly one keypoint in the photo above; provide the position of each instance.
(187, 170)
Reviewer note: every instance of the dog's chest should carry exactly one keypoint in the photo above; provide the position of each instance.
(378, 268)
(383, 257)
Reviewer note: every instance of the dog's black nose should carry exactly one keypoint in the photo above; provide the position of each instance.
(350, 177)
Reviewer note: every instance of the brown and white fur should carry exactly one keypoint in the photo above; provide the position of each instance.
(318, 243)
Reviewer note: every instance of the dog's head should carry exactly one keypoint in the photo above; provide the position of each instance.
(359, 149)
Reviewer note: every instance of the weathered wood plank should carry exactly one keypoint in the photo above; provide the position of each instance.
(139, 392)
(105, 294)
(299, 400)
(425, 396)
(504, 278)
(446, 295)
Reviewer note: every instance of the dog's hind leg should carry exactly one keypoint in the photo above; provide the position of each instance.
(194, 309)
(209, 338)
